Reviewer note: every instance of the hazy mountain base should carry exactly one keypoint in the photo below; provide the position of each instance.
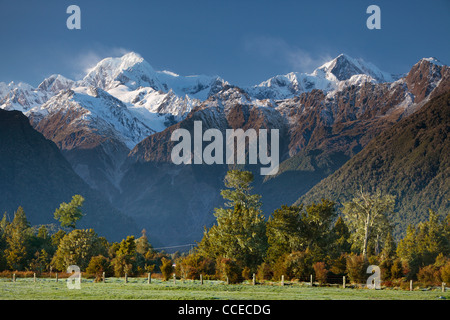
(35, 175)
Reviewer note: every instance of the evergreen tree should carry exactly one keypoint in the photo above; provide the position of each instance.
(239, 190)
(422, 245)
(125, 257)
(142, 244)
(284, 232)
(318, 221)
(342, 237)
(3, 228)
(240, 231)
(18, 234)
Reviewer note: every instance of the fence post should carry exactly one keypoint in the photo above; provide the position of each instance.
(410, 285)
(311, 280)
(34, 277)
(443, 286)
(343, 282)
(149, 278)
(126, 278)
(282, 280)
(174, 278)
(56, 276)
(14, 277)
(201, 279)
(228, 280)
(103, 277)
(254, 279)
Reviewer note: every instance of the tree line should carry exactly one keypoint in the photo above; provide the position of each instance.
(295, 241)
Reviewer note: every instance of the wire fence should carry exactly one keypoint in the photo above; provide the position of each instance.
(331, 281)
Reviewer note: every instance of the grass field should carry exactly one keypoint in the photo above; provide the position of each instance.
(138, 288)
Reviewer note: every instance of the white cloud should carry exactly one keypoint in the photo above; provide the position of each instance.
(86, 60)
(277, 49)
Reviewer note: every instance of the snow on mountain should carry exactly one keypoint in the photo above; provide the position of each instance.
(434, 61)
(132, 71)
(158, 98)
(343, 67)
(333, 75)
(129, 96)
(98, 110)
(56, 83)
(20, 96)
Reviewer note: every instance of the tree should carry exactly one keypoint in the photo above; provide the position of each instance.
(283, 231)
(240, 231)
(239, 234)
(239, 191)
(342, 237)
(367, 218)
(98, 265)
(318, 221)
(77, 248)
(69, 213)
(142, 244)
(3, 228)
(125, 257)
(422, 245)
(18, 234)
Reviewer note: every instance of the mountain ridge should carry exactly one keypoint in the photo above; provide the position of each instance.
(98, 131)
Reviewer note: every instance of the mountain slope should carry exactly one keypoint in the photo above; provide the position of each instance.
(35, 175)
(411, 160)
(336, 74)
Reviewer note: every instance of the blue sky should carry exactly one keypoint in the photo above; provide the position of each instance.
(245, 41)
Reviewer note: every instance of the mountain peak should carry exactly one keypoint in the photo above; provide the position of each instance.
(343, 67)
(130, 69)
(55, 83)
(433, 60)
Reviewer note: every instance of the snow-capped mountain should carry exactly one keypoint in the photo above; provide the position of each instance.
(336, 74)
(133, 72)
(97, 110)
(130, 91)
(55, 83)
(21, 96)
(114, 127)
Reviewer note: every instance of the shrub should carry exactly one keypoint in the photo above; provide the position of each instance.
(121, 267)
(279, 268)
(193, 265)
(264, 272)
(386, 269)
(166, 268)
(226, 267)
(321, 272)
(97, 266)
(246, 273)
(339, 265)
(396, 269)
(445, 272)
(429, 275)
(356, 268)
(299, 265)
